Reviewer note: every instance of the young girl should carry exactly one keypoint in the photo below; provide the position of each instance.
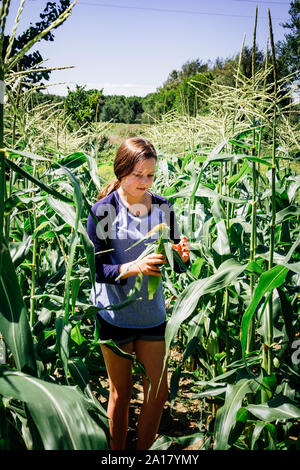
(126, 211)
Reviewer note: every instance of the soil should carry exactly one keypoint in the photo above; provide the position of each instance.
(179, 420)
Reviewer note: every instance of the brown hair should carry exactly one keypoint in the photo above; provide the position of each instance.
(130, 152)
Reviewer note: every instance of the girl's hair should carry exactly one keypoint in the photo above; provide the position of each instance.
(130, 152)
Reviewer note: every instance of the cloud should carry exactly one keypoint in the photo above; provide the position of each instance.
(127, 89)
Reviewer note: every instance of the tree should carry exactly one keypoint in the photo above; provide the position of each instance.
(191, 94)
(188, 69)
(224, 70)
(192, 67)
(156, 104)
(288, 50)
(246, 62)
(135, 104)
(82, 105)
(50, 13)
(172, 80)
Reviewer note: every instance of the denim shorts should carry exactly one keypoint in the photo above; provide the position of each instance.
(123, 336)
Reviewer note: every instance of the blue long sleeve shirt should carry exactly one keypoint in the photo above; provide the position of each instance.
(116, 230)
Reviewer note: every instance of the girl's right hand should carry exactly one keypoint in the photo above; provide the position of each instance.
(148, 265)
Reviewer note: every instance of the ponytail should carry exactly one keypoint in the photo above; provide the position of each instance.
(109, 188)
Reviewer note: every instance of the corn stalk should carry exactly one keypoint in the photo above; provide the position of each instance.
(254, 201)
(267, 347)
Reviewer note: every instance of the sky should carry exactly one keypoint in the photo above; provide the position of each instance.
(129, 47)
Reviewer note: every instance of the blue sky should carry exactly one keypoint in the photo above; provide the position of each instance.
(130, 46)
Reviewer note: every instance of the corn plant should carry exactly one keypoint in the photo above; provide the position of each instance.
(49, 412)
(239, 211)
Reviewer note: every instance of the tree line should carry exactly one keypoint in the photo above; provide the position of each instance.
(184, 90)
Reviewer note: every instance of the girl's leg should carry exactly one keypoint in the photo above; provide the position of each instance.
(151, 354)
(120, 389)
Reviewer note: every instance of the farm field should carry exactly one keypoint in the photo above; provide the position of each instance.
(232, 337)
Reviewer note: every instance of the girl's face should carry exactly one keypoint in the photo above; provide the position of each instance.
(140, 180)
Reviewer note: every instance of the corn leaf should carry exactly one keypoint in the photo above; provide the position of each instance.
(278, 408)
(226, 415)
(267, 282)
(38, 182)
(60, 413)
(14, 316)
(221, 245)
(62, 341)
(188, 300)
(260, 425)
(164, 442)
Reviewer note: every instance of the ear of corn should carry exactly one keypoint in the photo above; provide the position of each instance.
(154, 281)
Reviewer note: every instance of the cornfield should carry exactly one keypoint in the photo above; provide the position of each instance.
(232, 176)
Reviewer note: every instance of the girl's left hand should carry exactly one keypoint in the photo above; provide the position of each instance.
(183, 249)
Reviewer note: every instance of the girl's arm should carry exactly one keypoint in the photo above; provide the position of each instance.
(106, 272)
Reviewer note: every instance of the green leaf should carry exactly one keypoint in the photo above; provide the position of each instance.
(239, 426)
(76, 335)
(79, 372)
(32, 156)
(267, 282)
(66, 212)
(89, 250)
(278, 408)
(287, 213)
(153, 283)
(164, 442)
(188, 300)
(93, 170)
(197, 265)
(62, 341)
(80, 375)
(60, 413)
(11, 62)
(245, 169)
(259, 426)
(38, 182)
(19, 250)
(204, 191)
(70, 161)
(14, 324)
(11, 203)
(226, 415)
(221, 245)
(109, 343)
(74, 240)
(75, 286)
(269, 384)
(212, 392)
